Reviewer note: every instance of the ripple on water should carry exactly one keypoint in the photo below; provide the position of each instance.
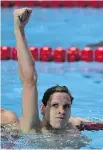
(59, 140)
(97, 81)
(87, 76)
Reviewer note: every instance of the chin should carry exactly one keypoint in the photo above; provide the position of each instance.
(58, 126)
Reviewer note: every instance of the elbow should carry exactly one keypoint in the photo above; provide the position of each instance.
(30, 78)
(29, 73)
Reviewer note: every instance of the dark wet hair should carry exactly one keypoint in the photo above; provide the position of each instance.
(55, 89)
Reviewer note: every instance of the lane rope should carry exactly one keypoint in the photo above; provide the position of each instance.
(54, 4)
(59, 54)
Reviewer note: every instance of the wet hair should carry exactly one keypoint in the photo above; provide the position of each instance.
(55, 89)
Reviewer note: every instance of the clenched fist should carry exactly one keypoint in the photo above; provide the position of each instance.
(21, 17)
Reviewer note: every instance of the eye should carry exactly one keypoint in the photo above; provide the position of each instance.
(55, 105)
(66, 106)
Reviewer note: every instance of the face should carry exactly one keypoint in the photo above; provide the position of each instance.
(58, 110)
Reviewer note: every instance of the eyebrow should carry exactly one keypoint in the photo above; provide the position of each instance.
(58, 103)
(67, 104)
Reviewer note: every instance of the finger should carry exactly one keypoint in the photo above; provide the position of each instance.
(24, 15)
(29, 11)
(20, 18)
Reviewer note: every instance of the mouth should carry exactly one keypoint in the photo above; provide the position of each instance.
(61, 118)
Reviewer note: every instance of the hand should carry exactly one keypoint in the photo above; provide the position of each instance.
(21, 17)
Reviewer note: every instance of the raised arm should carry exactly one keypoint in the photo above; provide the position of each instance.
(28, 75)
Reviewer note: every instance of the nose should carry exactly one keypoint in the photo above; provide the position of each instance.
(61, 110)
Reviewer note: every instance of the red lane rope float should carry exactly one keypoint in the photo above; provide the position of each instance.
(14, 54)
(45, 53)
(95, 4)
(99, 54)
(90, 126)
(50, 3)
(72, 54)
(7, 3)
(30, 3)
(86, 54)
(5, 53)
(58, 54)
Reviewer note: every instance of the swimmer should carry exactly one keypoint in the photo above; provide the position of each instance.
(96, 44)
(9, 117)
(57, 100)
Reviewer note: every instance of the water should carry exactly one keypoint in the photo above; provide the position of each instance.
(69, 27)
(48, 141)
(56, 27)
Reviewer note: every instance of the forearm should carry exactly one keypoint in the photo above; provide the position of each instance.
(25, 59)
(90, 124)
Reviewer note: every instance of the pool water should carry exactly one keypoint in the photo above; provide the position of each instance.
(47, 141)
(57, 27)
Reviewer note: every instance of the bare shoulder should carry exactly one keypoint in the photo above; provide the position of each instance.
(7, 116)
(77, 121)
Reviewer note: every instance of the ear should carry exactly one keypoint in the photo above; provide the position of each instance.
(42, 109)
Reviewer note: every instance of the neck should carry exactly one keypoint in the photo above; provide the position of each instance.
(46, 125)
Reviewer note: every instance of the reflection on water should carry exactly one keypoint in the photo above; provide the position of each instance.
(61, 140)
(55, 141)
(59, 68)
